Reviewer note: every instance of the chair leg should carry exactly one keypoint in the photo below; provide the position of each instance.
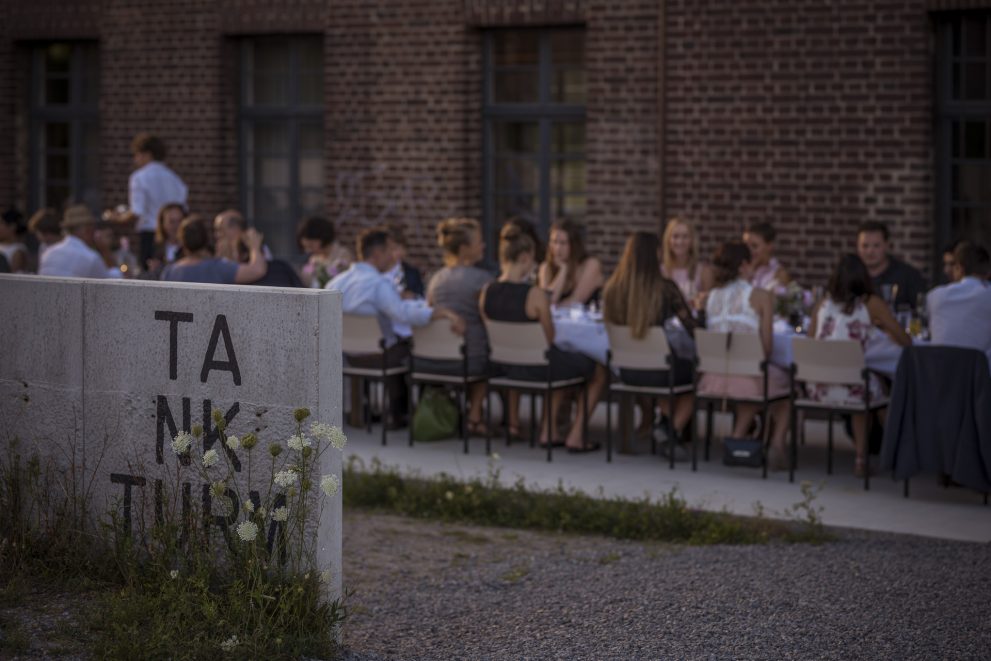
(905, 492)
(608, 425)
(464, 416)
(550, 423)
(673, 441)
(488, 420)
(829, 446)
(386, 401)
(366, 403)
(708, 428)
(533, 418)
(695, 439)
(585, 417)
(653, 439)
(505, 398)
(867, 450)
(792, 443)
(409, 401)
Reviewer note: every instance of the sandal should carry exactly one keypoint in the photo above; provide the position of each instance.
(554, 444)
(592, 447)
(477, 428)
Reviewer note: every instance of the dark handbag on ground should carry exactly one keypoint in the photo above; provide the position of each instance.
(743, 452)
(436, 416)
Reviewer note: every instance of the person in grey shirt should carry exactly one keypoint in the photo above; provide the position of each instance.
(199, 264)
(457, 287)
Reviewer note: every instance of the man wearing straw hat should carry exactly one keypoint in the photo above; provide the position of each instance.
(72, 256)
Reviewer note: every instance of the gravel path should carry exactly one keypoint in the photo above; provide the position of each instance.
(426, 590)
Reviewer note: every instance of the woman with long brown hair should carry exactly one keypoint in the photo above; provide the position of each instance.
(569, 273)
(638, 296)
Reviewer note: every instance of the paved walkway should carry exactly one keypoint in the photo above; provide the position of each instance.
(931, 510)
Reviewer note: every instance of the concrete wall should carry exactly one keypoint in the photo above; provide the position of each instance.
(89, 377)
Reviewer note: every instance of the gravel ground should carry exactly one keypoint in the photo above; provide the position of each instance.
(426, 590)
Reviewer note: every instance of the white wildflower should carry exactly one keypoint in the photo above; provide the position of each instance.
(261, 512)
(233, 442)
(330, 484)
(297, 442)
(495, 456)
(286, 478)
(330, 433)
(174, 574)
(182, 442)
(247, 531)
(218, 489)
(210, 458)
(325, 576)
(249, 506)
(449, 495)
(229, 644)
(280, 514)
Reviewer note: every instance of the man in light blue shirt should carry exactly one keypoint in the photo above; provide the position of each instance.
(366, 292)
(960, 312)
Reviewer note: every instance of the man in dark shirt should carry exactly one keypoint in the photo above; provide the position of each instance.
(885, 269)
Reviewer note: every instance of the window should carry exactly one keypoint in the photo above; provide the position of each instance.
(534, 112)
(64, 125)
(964, 135)
(282, 175)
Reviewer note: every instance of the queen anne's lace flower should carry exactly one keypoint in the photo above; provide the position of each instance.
(174, 574)
(233, 442)
(280, 514)
(249, 506)
(286, 478)
(247, 531)
(325, 576)
(329, 433)
(210, 458)
(297, 442)
(329, 484)
(182, 442)
(229, 644)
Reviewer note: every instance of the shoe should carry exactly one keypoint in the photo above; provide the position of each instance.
(679, 451)
(554, 444)
(777, 461)
(593, 447)
(477, 428)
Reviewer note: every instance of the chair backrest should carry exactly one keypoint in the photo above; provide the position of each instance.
(828, 361)
(515, 343)
(361, 334)
(437, 341)
(649, 353)
(735, 354)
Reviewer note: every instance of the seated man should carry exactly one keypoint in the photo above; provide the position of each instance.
(366, 292)
(960, 312)
(884, 268)
(74, 255)
(228, 237)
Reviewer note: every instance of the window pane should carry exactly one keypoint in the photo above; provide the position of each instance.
(517, 176)
(516, 137)
(56, 91)
(269, 138)
(57, 136)
(567, 47)
(311, 137)
(516, 48)
(524, 206)
(272, 218)
(311, 202)
(271, 171)
(268, 78)
(55, 194)
(568, 86)
(973, 224)
(57, 166)
(89, 70)
(516, 86)
(975, 81)
(570, 206)
(971, 182)
(568, 138)
(568, 177)
(976, 141)
(57, 58)
(975, 37)
(311, 171)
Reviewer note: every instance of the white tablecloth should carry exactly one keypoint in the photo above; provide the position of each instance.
(587, 336)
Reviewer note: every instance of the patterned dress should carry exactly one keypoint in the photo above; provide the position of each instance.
(728, 310)
(832, 323)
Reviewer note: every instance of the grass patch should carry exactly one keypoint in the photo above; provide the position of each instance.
(608, 558)
(488, 502)
(465, 536)
(516, 574)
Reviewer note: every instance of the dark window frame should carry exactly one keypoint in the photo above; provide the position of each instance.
(950, 110)
(76, 113)
(292, 114)
(545, 113)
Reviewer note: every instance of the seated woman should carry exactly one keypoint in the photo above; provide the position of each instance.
(199, 264)
(638, 296)
(568, 273)
(680, 262)
(767, 273)
(167, 246)
(316, 237)
(512, 299)
(850, 311)
(734, 305)
(457, 287)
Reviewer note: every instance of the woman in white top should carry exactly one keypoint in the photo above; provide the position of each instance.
(680, 262)
(734, 305)
(850, 311)
(767, 271)
(15, 251)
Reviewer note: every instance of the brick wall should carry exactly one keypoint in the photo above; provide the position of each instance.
(814, 116)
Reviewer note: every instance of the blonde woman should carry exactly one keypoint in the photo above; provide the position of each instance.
(680, 261)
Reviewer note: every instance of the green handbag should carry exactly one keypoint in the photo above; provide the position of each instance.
(436, 416)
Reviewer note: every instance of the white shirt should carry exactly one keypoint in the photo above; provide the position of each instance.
(394, 277)
(151, 187)
(72, 258)
(366, 292)
(960, 314)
